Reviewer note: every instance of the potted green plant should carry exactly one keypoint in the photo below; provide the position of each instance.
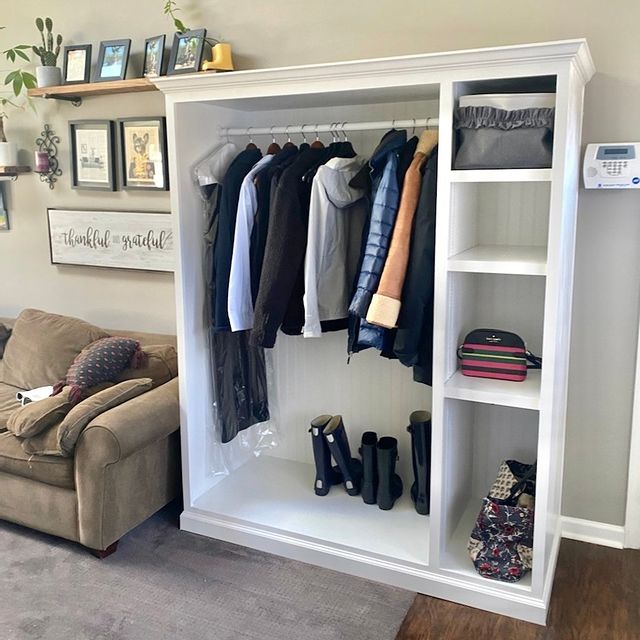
(48, 74)
(20, 80)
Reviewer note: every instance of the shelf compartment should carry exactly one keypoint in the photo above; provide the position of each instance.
(501, 175)
(512, 217)
(496, 301)
(523, 395)
(277, 495)
(517, 260)
(478, 437)
(458, 561)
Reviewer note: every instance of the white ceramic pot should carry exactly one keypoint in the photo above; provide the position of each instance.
(8, 154)
(48, 76)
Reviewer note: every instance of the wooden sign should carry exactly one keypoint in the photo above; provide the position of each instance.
(115, 239)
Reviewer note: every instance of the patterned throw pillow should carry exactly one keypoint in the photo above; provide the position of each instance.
(102, 361)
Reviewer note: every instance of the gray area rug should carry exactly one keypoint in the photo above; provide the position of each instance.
(164, 584)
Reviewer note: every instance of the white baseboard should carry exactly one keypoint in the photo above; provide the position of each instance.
(608, 535)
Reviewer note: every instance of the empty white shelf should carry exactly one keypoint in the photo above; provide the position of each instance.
(457, 560)
(524, 395)
(501, 175)
(518, 260)
(277, 495)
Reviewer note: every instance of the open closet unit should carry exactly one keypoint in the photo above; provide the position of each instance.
(504, 258)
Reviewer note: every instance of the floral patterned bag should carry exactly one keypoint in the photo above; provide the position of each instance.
(501, 542)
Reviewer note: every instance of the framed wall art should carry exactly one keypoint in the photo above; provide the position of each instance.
(186, 52)
(4, 214)
(153, 56)
(76, 64)
(113, 57)
(92, 154)
(143, 153)
(112, 239)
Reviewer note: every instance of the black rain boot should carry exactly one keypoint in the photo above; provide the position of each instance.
(389, 482)
(420, 430)
(326, 475)
(351, 468)
(369, 466)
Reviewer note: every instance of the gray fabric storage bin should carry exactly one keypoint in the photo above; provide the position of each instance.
(490, 138)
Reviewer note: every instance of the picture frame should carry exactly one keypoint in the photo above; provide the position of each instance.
(134, 240)
(76, 64)
(113, 59)
(152, 65)
(92, 155)
(4, 214)
(143, 153)
(186, 52)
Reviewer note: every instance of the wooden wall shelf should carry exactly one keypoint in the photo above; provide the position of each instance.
(75, 92)
(12, 173)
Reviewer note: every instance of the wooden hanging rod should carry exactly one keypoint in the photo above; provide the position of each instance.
(334, 127)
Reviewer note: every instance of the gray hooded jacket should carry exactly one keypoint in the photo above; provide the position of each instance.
(337, 216)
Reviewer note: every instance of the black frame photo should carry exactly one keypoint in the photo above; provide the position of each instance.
(73, 61)
(186, 52)
(92, 155)
(143, 153)
(153, 56)
(113, 59)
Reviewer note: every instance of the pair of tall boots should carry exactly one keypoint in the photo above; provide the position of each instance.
(329, 438)
(380, 483)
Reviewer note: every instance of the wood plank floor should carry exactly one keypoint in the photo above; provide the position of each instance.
(596, 596)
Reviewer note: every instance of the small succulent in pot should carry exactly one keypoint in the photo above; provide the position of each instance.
(48, 74)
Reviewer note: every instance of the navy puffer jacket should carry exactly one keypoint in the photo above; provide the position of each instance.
(383, 165)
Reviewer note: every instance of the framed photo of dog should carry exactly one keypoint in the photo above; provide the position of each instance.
(143, 152)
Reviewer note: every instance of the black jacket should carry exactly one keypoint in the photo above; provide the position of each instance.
(414, 339)
(231, 184)
(263, 182)
(284, 251)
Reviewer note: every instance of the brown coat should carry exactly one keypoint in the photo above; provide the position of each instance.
(385, 305)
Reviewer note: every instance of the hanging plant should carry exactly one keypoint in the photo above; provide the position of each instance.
(20, 81)
(170, 9)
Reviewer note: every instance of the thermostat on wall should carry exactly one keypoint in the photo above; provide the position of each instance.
(612, 166)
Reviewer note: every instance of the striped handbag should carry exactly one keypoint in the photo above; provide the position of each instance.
(500, 355)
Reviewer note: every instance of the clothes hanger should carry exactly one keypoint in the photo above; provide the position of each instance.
(288, 144)
(305, 144)
(347, 147)
(251, 145)
(274, 147)
(317, 143)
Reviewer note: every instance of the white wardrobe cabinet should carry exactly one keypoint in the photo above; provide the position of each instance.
(504, 259)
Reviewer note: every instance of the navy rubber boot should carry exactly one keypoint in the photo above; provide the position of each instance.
(326, 475)
(351, 468)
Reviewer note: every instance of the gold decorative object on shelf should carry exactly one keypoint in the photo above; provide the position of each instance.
(221, 59)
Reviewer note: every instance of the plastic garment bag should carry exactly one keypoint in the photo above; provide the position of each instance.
(238, 371)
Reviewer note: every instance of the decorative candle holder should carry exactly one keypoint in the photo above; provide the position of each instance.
(46, 157)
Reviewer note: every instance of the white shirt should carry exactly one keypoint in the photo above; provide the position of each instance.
(337, 214)
(239, 301)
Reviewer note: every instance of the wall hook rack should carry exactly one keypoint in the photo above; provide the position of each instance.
(48, 143)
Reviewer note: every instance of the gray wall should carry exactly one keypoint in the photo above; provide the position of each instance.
(285, 32)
